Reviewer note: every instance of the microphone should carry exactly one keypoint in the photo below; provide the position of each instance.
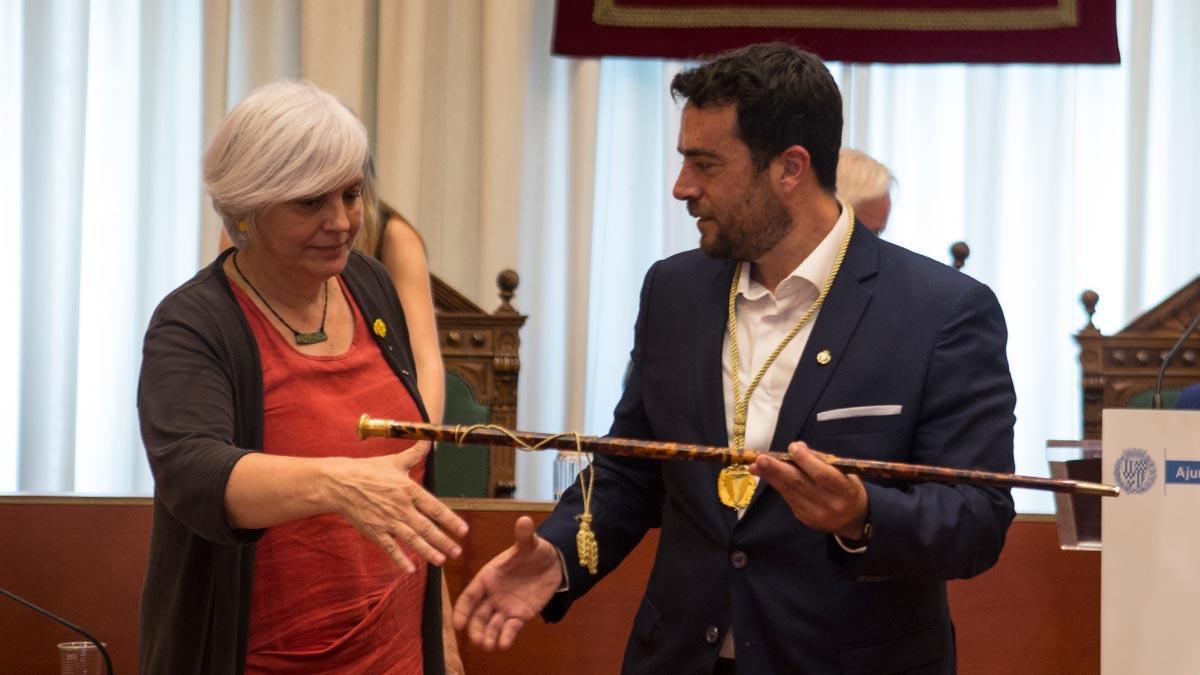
(1156, 402)
(68, 624)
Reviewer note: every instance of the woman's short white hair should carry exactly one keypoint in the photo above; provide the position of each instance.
(287, 140)
(861, 178)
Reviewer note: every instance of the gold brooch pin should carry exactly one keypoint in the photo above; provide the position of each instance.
(380, 328)
(824, 357)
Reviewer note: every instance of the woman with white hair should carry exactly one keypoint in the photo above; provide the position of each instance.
(394, 241)
(280, 542)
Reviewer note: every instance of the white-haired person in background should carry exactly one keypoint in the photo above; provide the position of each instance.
(867, 186)
(281, 543)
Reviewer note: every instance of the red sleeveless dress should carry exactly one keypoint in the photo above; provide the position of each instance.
(325, 599)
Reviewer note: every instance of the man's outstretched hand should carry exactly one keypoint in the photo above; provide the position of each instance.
(509, 590)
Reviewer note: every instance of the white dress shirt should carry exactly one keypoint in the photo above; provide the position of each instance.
(763, 320)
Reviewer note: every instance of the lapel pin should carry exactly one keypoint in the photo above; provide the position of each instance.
(824, 357)
(380, 328)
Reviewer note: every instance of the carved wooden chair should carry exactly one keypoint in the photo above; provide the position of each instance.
(480, 351)
(1119, 370)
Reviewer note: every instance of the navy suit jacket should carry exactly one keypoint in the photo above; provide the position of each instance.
(903, 330)
(1189, 398)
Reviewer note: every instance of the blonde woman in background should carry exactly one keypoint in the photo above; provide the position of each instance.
(397, 244)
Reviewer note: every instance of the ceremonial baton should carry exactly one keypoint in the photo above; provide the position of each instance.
(369, 427)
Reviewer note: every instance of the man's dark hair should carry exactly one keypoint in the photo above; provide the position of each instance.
(784, 97)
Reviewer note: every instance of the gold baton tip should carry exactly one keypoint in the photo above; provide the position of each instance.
(1097, 489)
(372, 427)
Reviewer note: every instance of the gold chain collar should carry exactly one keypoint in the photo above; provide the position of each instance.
(735, 485)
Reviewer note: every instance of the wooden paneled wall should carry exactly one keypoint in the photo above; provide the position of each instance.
(1037, 611)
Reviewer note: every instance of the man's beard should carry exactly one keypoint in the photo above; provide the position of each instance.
(758, 226)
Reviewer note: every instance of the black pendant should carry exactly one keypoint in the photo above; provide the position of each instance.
(311, 338)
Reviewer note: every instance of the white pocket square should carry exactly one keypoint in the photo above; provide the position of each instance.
(859, 411)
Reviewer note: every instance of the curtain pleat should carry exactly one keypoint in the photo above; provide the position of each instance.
(54, 107)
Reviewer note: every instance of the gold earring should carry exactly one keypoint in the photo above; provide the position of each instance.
(243, 226)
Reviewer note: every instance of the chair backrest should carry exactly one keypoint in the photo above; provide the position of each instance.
(1119, 370)
(463, 471)
(1141, 399)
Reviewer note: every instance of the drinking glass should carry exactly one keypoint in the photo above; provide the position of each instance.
(567, 466)
(80, 658)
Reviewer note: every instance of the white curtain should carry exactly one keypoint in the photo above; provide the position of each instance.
(1060, 179)
(99, 127)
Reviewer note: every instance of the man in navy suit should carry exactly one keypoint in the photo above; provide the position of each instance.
(839, 341)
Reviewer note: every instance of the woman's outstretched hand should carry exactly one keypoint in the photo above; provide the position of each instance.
(377, 496)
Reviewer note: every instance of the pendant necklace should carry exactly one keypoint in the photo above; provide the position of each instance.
(312, 338)
(735, 483)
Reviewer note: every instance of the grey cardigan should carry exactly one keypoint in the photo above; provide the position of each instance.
(200, 403)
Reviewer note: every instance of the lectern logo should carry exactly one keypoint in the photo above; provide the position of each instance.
(1135, 471)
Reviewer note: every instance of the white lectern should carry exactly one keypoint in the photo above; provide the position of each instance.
(1150, 561)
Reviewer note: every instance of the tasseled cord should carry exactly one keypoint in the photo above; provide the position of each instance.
(585, 540)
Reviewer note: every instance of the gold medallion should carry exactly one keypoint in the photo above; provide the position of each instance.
(735, 486)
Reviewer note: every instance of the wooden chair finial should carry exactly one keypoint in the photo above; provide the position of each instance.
(959, 252)
(1090, 298)
(507, 281)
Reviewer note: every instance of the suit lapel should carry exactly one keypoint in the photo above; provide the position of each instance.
(836, 323)
(838, 319)
(712, 317)
(712, 314)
